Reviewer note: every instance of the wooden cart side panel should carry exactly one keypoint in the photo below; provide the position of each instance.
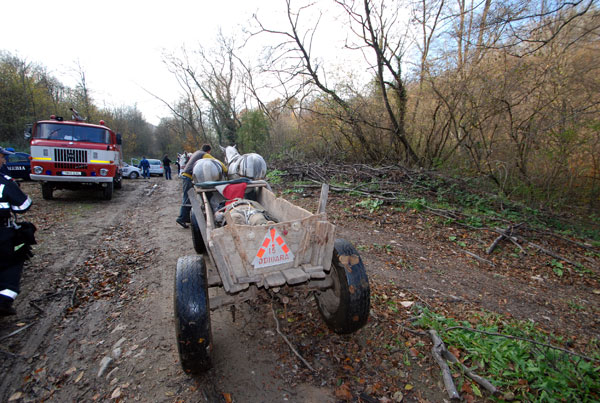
(228, 260)
(240, 267)
(207, 235)
(327, 231)
(210, 218)
(279, 208)
(197, 208)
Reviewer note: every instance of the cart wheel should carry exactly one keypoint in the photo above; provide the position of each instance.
(197, 240)
(345, 306)
(192, 314)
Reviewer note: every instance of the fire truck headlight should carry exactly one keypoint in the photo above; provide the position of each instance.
(104, 172)
(38, 170)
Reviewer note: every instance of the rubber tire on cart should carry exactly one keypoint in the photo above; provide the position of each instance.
(47, 191)
(197, 240)
(133, 175)
(107, 191)
(118, 182)
(192, 315)
(345, 306)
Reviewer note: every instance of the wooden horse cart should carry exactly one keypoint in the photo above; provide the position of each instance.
(295, 248)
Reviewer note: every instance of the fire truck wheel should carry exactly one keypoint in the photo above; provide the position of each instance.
(192, 315)
(118, 182)
(345, 306)
(107, 191)
(47, 191)
(197, 240)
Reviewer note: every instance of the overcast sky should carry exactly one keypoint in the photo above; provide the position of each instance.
(119, 43)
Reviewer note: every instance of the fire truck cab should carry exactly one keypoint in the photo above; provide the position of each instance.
(75, 155)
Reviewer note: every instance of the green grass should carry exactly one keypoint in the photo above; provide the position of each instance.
(483, 209)
(370, 204)
(274, 176)
(532, 372)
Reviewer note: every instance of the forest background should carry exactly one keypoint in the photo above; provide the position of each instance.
(506, 93)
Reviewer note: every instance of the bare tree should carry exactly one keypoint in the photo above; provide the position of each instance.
(212, 87)
(294, 55)
(82, 93)
(377, 26)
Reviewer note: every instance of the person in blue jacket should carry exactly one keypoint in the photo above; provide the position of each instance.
(145, 165)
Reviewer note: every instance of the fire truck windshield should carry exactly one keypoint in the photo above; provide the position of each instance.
(54, 131)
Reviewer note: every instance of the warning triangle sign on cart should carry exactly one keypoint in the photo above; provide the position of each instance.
(273, 251)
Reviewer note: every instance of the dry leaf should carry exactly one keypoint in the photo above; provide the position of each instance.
(15, 396)
(466, 388)
(79, 377)
(455, 351)
(116, 393)
(343, 392)
(70, 371)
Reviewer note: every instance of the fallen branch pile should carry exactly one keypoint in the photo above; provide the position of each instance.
(396, 184)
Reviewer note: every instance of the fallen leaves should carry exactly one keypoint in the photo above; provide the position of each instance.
(370, 362)
(343, 392)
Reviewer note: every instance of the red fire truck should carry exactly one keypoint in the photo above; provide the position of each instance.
(75, 155)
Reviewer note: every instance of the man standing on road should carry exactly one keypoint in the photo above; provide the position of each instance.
(186, 176)
(12, 200)
(167, 163)
(145, 165)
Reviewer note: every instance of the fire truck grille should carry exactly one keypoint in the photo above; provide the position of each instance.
(69, 165)
(69, 155)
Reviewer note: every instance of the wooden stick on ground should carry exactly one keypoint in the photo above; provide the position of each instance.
(508, 234)
(437, 351)
(478, 257)
(15, 332)
(484, 383)
(288, 342)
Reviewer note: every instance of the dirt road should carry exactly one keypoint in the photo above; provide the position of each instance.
(95, 316)
(96, 310)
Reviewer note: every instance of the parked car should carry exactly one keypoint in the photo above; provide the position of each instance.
(131, 172)
(156, 167)
(19, 165)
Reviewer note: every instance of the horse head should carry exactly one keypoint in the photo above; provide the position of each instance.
(230, 152)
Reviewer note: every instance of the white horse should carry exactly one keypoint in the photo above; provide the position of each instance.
(182, 159)
(250, 165)
(207, 169)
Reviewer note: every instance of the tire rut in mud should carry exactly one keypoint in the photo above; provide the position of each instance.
(53, 299)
